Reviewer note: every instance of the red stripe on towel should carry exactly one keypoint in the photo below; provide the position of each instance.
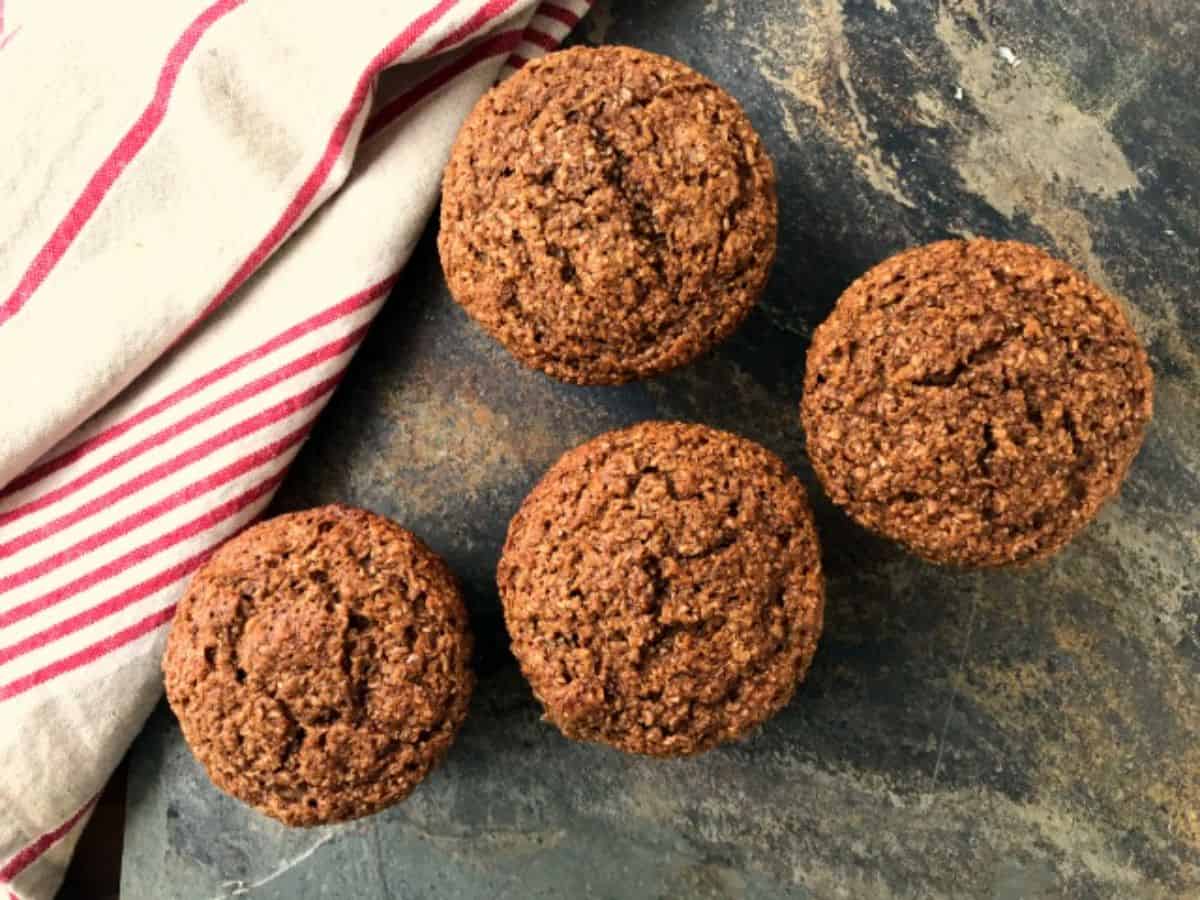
(112, 167)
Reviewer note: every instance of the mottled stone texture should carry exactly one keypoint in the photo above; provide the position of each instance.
(1027, 734)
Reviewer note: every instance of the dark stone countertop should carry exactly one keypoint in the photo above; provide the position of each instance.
(1024, 734)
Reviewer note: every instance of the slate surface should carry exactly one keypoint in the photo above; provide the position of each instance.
(1031, 734)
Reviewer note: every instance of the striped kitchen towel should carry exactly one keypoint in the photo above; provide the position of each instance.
(202, 206)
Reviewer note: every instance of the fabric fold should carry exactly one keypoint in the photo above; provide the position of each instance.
(190, 254)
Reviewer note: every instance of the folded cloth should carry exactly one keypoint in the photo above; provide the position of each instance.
(203, 206)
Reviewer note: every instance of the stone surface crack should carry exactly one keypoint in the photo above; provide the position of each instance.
(238, 888)
(962, 668)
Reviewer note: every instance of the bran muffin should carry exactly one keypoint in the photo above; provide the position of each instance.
(319, 665)
(607, 214)
(977, 401)
(662, 587)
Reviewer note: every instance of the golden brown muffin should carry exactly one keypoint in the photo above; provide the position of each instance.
(319, 665)
(662, 587)
(977, 401)
(607, 214)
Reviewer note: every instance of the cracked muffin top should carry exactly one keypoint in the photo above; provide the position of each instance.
(607, 214)
(977, 401)
(662, 588)
(319, 665)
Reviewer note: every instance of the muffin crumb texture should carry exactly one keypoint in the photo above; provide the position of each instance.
(319, 665)
(662, 587)
(607, 214)
(977, 401)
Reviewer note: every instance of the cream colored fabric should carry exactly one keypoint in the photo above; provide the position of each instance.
(160, 160)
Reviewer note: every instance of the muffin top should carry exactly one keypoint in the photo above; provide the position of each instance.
(977, 401)
(662, 587)
(607, 214)
(319, 664)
